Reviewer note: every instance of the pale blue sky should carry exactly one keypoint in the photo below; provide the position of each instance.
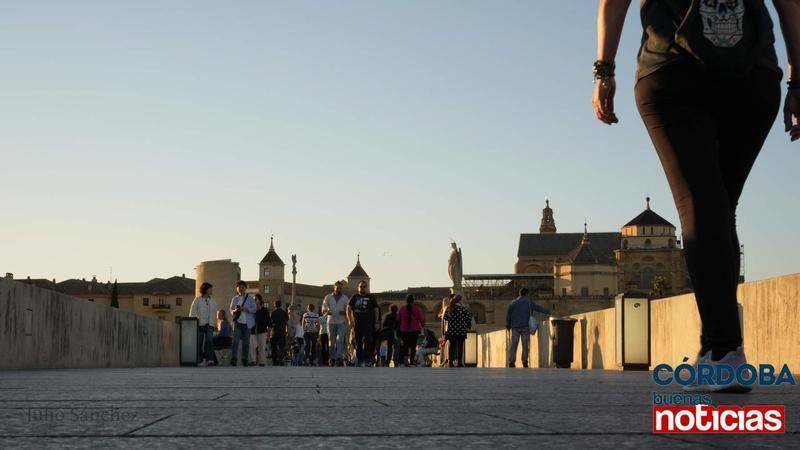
(388, 127)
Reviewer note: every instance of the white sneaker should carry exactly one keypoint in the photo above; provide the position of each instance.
(705, 358)
(734, 359)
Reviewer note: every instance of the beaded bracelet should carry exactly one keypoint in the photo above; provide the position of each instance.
(603, 69)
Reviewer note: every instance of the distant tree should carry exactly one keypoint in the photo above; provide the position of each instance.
(660, 287)
(114, 296)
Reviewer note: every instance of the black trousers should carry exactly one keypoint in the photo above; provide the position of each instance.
(457, 348)
(408, 346)
(278, 344)
(310, 347)
(324, 350)
(708, 130)
(365, 340)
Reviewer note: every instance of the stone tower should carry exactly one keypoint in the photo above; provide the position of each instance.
(649, 248)
(357, 275)
(270, 275)
(548, 224)
(223, 275)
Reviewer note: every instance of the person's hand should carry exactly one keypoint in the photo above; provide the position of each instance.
(791, 114)
(603, 100)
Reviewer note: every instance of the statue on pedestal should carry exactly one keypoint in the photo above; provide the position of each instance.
(455, 267)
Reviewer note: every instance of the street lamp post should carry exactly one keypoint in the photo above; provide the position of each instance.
(294, 276)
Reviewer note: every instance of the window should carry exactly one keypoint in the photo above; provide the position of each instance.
(563, 292)
(624, 244)
(145, 301)
(647, 278)
(266, 289)
(605, 291)
(648, 243)
(162, 302)
(478, 312)
(266, 272)
(584, 291)
(178, 301)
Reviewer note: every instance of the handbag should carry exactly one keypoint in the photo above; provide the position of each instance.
(533, 325)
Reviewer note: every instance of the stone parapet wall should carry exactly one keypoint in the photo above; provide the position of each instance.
(40, 328)
(769, 310)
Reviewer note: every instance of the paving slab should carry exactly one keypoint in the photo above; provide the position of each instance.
(302, 407)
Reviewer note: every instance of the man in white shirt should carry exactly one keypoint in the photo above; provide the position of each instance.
(334, 307)
(205, 309)
(243, 306)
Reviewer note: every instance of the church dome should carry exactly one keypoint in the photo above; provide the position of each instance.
(649, 218)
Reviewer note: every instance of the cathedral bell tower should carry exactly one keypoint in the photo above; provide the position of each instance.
(548, 224)
(270, 275)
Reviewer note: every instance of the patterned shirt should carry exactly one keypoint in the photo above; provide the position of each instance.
(459, 320)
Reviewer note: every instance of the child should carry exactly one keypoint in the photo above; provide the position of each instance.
(310, 331)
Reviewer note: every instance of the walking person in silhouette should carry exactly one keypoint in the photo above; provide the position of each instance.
(708, 91)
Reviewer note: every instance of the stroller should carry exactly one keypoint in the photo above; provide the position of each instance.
(297, 354)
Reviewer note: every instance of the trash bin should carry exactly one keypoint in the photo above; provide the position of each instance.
(562, 329)
(188, 341)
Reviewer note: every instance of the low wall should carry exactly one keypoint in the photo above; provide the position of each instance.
(769, 311)
(46, 329)
(493, 347)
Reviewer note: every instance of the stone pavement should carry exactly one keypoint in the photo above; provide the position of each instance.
(347, 407)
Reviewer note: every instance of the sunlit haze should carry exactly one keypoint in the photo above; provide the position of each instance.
(149, 136)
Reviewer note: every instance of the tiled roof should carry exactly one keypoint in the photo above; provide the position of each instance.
(649, 217)
(83, 287)
(358, 271)
(272, 257)
(39, 282)
(584, 254)
(559, 245)
(172, 285)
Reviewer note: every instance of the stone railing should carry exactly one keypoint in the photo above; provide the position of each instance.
(769, 311)
(46, 329)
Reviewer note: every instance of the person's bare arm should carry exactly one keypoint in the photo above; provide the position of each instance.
(610, 19)
(789, 15)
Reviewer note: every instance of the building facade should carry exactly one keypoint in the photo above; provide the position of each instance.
(159, 298)
(606, 263)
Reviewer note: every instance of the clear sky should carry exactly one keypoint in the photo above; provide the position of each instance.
(381, 126)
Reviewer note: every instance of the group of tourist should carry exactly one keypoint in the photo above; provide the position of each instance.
(346, 331)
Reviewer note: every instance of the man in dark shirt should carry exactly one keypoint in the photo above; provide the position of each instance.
(363, 315)
(279, 320)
